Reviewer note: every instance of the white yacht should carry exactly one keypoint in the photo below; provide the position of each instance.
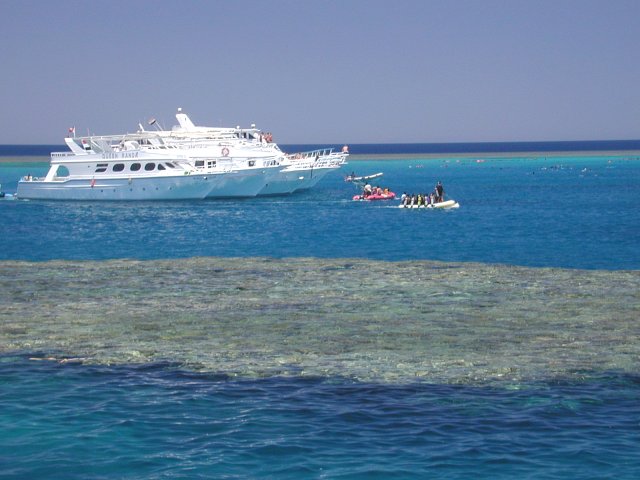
(119, 168)
(250, 172)
(188, 162)
(205, 144)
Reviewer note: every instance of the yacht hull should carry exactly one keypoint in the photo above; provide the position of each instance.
(184, 187)
(243, 183)
(291, 180)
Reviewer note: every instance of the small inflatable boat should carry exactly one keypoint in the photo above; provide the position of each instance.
(375, 196)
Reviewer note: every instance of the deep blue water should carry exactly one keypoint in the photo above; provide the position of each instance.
(479, 147)
(29, 150)
(406, 148)
(158, 421)
(155, 421)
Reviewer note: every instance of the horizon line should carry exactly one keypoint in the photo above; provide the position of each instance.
(394, 143)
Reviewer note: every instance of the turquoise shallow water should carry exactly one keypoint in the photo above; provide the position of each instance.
(315, 337)
(405, 322)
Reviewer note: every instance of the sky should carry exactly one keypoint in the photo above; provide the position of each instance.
(314, 71)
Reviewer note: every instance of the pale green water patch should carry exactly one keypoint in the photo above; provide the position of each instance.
(368, 320)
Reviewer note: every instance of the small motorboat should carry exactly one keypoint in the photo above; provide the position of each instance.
(446, 205)
(376, 196)
(362, 179)
(6, 196)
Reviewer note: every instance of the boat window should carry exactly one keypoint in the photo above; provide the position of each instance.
(199, 163)
(161, 167)
(211, 164)
(101, 167)
(149, 166)
(252, 163)
(118, 167)
(170, 165)
(134, 167)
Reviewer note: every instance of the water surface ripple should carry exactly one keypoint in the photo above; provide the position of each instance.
(155, 421)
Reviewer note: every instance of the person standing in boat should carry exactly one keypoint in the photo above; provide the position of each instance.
(440, 192)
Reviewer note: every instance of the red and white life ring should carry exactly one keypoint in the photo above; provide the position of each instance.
(225, 152)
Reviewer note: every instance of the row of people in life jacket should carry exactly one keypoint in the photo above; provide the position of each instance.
(421, 199)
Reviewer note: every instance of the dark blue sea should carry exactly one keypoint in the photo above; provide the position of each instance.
(312, 336)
